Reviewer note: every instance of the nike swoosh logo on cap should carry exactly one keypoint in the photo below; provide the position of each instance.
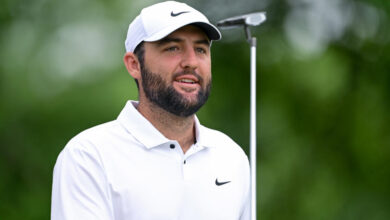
(179, 13)
(220, 183)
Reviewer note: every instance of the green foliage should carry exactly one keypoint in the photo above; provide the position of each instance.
(323, 91)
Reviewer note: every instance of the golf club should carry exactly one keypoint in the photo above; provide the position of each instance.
(253, 19)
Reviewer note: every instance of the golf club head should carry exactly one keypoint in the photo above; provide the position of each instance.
(252, 19)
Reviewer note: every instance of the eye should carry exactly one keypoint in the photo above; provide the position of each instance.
(201, 50)
(172, 48)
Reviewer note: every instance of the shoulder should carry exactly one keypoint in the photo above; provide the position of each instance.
(97, 133)
(222, 142)
(86, 149)
(89, 140)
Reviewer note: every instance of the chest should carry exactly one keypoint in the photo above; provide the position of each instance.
(163, 184)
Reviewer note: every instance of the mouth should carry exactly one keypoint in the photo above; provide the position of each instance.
(190, 81)
(187, 79)
(187, 82)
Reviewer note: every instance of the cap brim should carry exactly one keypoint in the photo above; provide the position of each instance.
(211, 31)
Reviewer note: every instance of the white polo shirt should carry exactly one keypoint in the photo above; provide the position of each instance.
(127, 170)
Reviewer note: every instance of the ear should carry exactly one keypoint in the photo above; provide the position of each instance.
(132, 65)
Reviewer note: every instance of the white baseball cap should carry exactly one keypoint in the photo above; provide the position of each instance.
(159, 20)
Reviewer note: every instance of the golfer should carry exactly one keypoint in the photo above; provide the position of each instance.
(156, 161)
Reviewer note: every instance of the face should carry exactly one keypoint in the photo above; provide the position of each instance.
(176, 74)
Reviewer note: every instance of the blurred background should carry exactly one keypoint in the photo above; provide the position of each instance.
(323, 98)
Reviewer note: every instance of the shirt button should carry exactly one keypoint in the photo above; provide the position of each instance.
(172, 146)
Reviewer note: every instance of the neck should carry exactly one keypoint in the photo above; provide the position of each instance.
(173, 127)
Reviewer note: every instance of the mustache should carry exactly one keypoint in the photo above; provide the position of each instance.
(189, 72)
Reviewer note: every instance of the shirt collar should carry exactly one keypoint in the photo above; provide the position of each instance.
(138, 126)
(203, 136)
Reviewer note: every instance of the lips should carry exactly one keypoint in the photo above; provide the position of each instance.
(187, 79)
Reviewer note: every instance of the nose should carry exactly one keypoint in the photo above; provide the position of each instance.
(189, 59)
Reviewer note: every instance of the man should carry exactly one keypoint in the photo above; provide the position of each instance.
(156, 161)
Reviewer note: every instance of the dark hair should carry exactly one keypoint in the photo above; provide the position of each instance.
(139, 51)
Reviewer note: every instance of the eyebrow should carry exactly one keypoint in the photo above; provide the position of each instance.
(167, 40)
(205, 42)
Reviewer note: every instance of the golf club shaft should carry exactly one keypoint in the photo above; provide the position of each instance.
(253, 127)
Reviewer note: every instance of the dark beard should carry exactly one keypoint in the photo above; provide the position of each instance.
(166, 97)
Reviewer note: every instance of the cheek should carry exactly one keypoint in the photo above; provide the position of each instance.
(161, 65)
(206, 69)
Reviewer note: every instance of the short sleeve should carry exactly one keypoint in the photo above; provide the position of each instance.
(80, 188)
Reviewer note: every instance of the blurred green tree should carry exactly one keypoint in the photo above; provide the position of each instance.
(323, 90)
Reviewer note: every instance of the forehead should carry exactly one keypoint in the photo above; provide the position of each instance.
(190, 30)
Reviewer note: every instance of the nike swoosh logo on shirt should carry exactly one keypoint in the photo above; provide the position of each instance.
(177, 14)
(220, 183)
